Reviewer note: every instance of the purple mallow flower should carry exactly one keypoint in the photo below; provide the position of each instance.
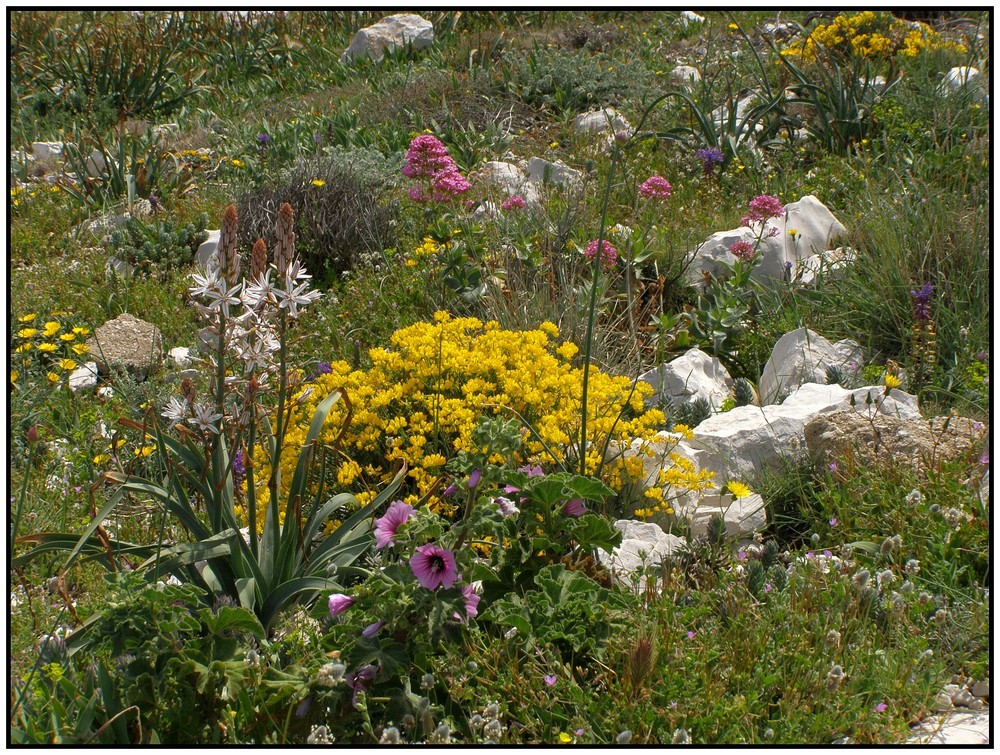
(472, 599)
(339, 603)
(507, 507)
(387, 526)
(531, 471)
(575, 507)
(474, 478)
(372, 629)
(433, 566)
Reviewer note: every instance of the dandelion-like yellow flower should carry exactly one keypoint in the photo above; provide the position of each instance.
(318, 183)
(738, 489)
(80, 348)
(144, 451)
(238, 163)
(53, 377)
(67, 337)
(565, 738)
(67, 364)
(23, 348)
(27, 318)
(81, 331)
(14, 375)
(102, 459)
(26, 332)
(47, 347)
(891, 381)
(51, 328)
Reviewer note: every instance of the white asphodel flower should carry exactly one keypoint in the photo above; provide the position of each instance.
(176, 410)
(205, 418)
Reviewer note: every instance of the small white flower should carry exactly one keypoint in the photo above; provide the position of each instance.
(204, 418)
(176, 410)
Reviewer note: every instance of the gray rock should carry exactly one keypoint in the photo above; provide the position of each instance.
(968, 78)
(685, 76)
(127, 342)
(83, 378)
(121, 268)
(829, 264)
(942, 702)
(815, 230)
(391, 33)
(963, 698)
(46, 150)
(206, 251)
(981, 688)
(596, 122)
(544, 172)
(742, 516)
(954, 729)
(802, 356)
(643, 543)
(691, 376)
(180, 357)
(688, 17)
(511, 180)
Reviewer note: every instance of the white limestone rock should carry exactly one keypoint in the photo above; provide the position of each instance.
(180, 357)
(829, 264)
(599, 121)
(968, 78)
(955, 729)
(129, 343)
(685, 76)
(643, 543)
(46, 150)
(815, 229)
(742, 516)
(741, 442)
(391, 33)
(688, 17)
(83, 378)
(802, 356)
(207, 250)
(511, 180)
(691, 376)
(544, 172)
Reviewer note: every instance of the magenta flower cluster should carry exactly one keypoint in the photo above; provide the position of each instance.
(608, 253)
(762, 209)
(428, 160)
(655, 187)
(515, 202)
(742, 250)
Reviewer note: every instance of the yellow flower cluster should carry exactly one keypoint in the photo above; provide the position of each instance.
(425, 251)
(870, 35)
(45, 342)
(426, 392)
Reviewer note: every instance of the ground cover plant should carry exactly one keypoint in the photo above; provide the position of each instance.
(373, 497)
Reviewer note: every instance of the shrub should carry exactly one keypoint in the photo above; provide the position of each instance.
(341, 210)
(160, 244)
(423, 397)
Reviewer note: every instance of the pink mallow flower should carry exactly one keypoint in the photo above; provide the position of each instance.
(472, 599)
(433, 567)
(742, 250)
(515, 202)
(608, 253)
(655, 187)
(339, 603)
(387, 526)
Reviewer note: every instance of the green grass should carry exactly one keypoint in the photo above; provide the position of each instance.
(913, 194)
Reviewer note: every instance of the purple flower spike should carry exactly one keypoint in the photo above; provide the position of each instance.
(575, 507)
(339, 603)
(433, 567)
(387, 526)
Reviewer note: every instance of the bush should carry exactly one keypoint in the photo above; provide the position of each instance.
(161, 244)
(341, 210)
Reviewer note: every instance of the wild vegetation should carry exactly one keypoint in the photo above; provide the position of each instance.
(376, 512)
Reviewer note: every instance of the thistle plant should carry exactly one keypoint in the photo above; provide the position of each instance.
(208, 448)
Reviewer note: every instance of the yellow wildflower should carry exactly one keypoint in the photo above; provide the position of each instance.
(14, 375)
(891, 381)
(67, 337)
(565, 738)
(23, 348)
(26, 332)
(237, 163)
(67, 364)
(80, 348)
(81, 331)
(318, 183)
(738, 489)
(51, 328)
(53, 377)
(102, 459)
(27, 318)
(47, 347)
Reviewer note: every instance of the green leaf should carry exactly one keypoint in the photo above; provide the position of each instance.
(593, 531)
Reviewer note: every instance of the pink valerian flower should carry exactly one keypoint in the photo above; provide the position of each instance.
(387, 526)
(575, 507)
(762, 209)
(608, 253)
(742, 250)
(339, 603)
(426, 158)
(433, 567)
(446, 185)
(655, 187)
(515, 202)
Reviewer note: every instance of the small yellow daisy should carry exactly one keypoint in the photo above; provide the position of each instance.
(26, 332)
(318, 182)
(27, 318)
(67, 337)
(67, 364)
(48, 348)
(80, 348)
